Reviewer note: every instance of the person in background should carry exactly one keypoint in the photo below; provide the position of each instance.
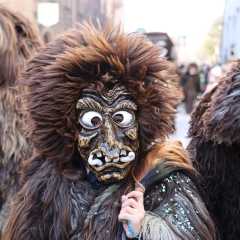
(214, 77)
(181, 72)
(100, 104)
(190, 82)
(204, 77)
(19, 40)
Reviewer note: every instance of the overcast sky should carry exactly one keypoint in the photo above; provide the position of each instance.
(177, 17)
(190, 18)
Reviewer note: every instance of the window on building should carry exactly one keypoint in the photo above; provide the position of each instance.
(232, 50)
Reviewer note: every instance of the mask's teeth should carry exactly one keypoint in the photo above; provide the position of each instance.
(99, 154)
(116, 159)
(107, 159)
(123, 152)
(94, 162)
(129, 158)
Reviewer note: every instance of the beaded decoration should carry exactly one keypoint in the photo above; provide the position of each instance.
(131, 230)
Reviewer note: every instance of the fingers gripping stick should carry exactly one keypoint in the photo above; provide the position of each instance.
(140, 188)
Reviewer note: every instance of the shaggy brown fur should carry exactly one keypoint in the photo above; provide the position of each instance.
(54, 79)
(215, 144)
(18, 41)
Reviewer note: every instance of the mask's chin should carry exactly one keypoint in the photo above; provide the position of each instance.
(110, 175)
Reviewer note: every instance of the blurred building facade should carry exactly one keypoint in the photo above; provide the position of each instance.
(66, 13)
(231, 31)
(26, 7)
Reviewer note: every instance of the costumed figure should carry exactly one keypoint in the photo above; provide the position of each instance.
(215, 147)
(99, 114)
(190, 83)
(18, 41)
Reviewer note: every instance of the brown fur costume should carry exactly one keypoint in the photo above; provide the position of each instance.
(18, 41)
(215, 128)
(57, 201)
(190, 83)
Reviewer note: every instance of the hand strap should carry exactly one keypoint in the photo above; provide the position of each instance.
(131, 230)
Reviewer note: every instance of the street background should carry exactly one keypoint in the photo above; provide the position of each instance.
(182, 126)
(200, 31)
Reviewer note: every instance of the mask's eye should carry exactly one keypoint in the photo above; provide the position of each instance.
(91, 119)
(123, 118)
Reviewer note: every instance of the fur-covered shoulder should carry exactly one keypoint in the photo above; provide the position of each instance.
(214, 145)
(170, 153)
(217, 115)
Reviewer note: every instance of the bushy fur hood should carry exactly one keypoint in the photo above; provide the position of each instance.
(56, 76)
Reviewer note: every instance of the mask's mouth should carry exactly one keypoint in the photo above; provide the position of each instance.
(99, 158)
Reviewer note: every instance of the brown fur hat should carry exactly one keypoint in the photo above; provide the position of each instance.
(56, 76)
(217, 115)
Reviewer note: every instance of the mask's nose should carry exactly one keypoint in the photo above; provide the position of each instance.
(110, 143)
(109, 133)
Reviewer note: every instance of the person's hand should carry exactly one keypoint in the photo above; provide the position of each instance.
(133, 210)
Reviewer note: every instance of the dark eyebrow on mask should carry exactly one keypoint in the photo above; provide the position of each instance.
(88, 103)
